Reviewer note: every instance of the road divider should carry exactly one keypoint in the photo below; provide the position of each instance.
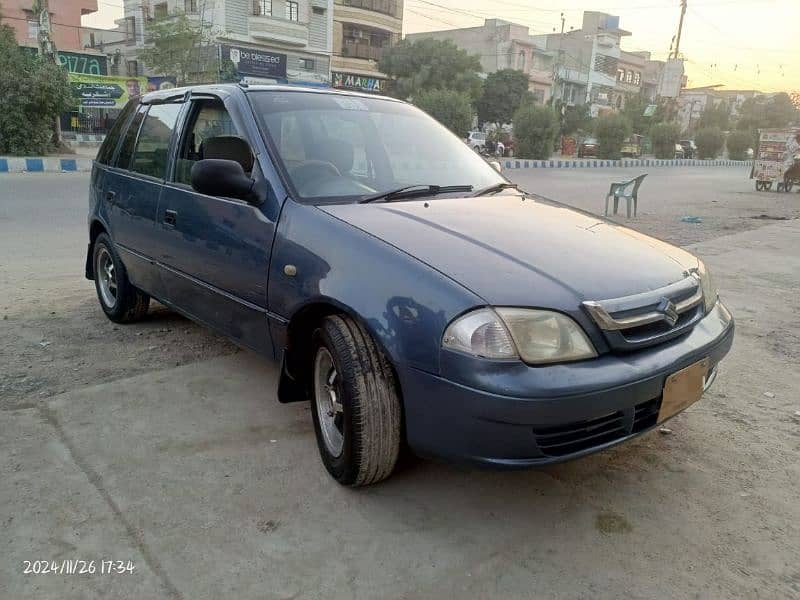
(591, 163)
(44, 164)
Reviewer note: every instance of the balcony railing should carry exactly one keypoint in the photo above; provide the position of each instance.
(387, 7)
(362, 51)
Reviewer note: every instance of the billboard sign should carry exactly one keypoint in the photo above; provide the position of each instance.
(258, 63)
(108, 92)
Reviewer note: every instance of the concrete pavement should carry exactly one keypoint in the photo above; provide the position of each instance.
(213, 489)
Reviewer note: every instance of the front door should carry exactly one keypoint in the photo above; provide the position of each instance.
(215, 251)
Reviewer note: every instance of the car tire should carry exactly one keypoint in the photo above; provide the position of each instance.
(355, 403)
(119, 299)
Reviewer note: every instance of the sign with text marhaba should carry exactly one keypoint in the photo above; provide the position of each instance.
(251, 61)
(362, 83)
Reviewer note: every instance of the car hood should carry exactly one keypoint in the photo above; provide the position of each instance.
(522, 252)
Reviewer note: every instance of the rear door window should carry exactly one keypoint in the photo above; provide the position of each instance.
(152, 148)
(106, 152)
(129, 141)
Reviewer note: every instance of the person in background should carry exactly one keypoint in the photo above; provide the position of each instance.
(501, 148)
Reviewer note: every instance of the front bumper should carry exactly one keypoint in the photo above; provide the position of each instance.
(506, 414)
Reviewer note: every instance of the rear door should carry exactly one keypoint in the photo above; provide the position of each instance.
(215, 251)
(133, 192)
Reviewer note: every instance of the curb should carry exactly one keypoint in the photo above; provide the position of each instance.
(625, 162)
(44, 164)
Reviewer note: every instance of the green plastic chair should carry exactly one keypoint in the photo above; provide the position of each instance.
(627, 190)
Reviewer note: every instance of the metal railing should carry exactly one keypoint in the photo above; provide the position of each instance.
(362, 51)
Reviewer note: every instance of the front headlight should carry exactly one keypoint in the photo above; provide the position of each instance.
(535, 336)
(708, 286)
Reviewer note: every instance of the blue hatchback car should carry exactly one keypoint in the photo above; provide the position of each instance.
(408, 290)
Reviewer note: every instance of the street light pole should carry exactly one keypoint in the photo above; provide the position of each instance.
(680, 28)
(47, 49)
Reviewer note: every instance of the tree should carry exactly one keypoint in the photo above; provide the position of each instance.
(177, 46)
(635, 104)
(737, 143)
(452, 109)
(610, 131)
(715, 116)
(665, 136)
(575, 118)
(34, 93)
(430, 64)
(709, 142)
(504, 92)
(535, 129)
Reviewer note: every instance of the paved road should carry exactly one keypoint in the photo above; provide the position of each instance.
(162, 444)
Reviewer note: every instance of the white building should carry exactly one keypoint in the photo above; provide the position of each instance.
(276, 41)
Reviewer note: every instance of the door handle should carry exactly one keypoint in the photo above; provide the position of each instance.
(110, 196)
(170, 217)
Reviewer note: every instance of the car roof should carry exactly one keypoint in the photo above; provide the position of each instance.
(173, 94)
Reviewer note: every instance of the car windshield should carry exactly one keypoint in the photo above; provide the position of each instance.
(336, 147)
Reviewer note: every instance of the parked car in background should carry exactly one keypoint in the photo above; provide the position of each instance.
(407, 290)
(476, 140)
(679, 151)
(587, 148)
(632, 147)
(689, 148)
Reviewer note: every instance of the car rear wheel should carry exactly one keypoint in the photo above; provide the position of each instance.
(355, 404)
(119, 299)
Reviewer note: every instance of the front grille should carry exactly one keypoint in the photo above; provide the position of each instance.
(650, 318)
(574, 437)
(563, 440)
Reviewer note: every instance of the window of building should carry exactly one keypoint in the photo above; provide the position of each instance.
(521, 60)
(152, 149)
(33, 30)
(160, 10)
(292, 10)
(637, 78)
(620, 74)
(190, 6)
(132, 68)
(130, 29)
(307, 64)
(629, 77)
(262, 8)
(318, 10)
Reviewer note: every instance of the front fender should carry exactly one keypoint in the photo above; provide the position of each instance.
(404, 303)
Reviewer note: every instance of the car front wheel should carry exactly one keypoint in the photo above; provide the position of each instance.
(355, 404)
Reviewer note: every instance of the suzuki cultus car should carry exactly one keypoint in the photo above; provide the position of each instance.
(412, 294)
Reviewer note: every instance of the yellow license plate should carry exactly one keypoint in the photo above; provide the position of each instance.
(682, 389)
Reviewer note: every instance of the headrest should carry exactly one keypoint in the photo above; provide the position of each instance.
(229, 147)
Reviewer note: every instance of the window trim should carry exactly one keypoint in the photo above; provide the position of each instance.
(170, 146)
(292, 7)
(143, 108)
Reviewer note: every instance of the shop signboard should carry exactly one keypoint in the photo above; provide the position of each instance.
(255, 62)
(74, 62)
(362, 83)
(108, 92)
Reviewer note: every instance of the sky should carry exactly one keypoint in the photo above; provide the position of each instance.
(741, 44)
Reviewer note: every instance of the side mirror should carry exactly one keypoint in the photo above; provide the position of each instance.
(496, 165)
(220, 177)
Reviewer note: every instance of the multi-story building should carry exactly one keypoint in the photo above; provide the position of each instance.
(266, 41)
(630, 67)
(362, 30)
(504, 45)
(65, 22)
(693, 102)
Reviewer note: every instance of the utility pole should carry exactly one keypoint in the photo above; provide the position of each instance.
(47, 49)
(680, 28)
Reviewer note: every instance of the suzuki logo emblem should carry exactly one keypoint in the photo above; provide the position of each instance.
(667, 307)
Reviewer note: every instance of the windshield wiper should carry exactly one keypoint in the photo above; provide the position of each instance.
(498, 187)
(414, 191)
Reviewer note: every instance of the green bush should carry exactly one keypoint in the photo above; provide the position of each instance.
(34, 92)
(610, 131)
(737, 143)
(709, 142)
(451, 108)
(665, 136)
(535, 130)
